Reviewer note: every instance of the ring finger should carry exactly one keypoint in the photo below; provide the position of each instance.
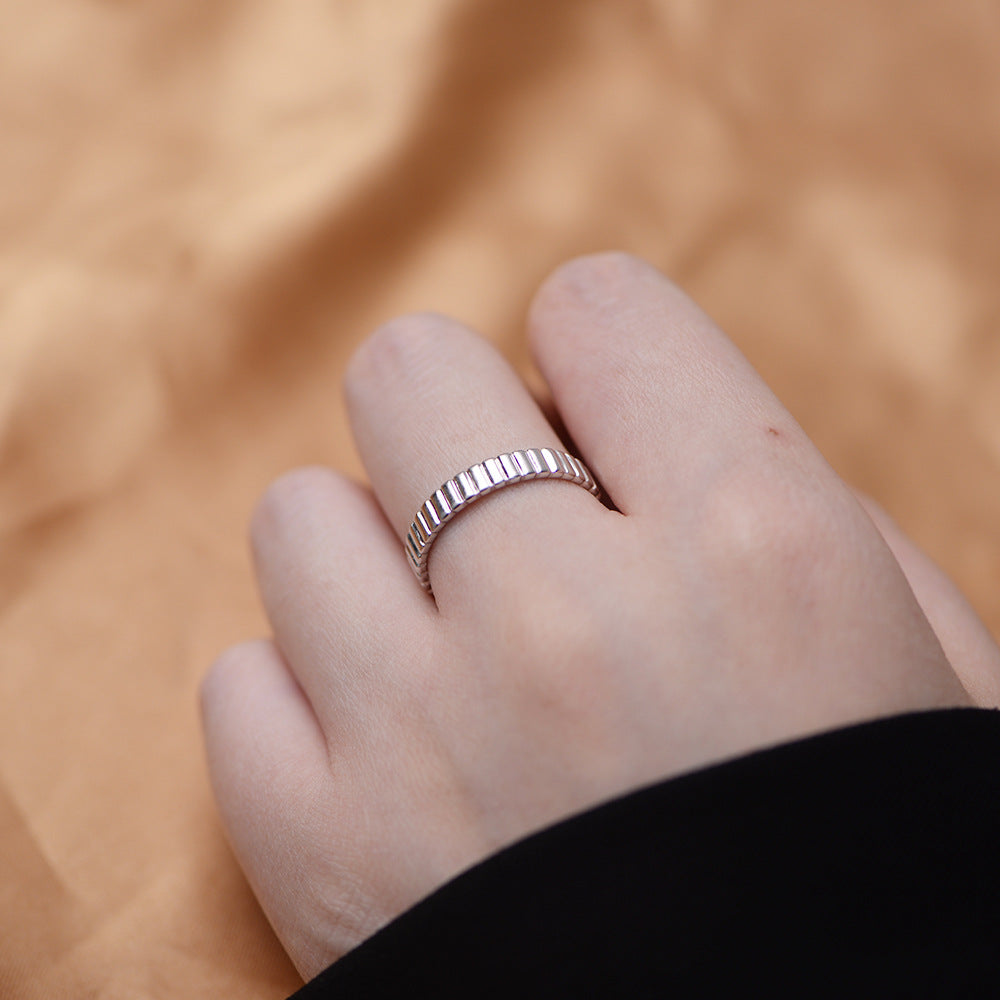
(427, 399)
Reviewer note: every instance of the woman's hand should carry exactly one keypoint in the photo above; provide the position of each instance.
(738, 596)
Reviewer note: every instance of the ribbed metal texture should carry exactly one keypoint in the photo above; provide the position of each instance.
(479, 481)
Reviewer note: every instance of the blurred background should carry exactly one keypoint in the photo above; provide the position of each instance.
(204, 208)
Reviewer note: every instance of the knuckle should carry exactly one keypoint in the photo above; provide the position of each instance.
(590, 297)
(594, 278)
(399, 350)
(289, 499)
(610, 266)
(227, 671)
(772, 529)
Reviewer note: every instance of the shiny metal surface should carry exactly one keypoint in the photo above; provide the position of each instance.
(478, 481)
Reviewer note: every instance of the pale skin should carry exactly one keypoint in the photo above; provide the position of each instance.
(739, 595)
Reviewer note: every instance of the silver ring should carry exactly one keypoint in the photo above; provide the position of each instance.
(478, 481)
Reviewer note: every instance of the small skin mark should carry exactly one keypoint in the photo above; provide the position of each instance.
(774, 431)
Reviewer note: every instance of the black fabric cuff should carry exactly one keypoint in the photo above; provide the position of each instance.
(858, 862)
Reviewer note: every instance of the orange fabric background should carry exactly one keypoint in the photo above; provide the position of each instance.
(203, 208)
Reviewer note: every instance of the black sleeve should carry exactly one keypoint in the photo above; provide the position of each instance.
(863, 862)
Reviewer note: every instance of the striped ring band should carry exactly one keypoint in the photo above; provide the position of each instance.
(478, 481)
